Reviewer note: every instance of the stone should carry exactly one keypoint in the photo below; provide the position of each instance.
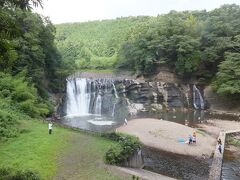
(157, 107)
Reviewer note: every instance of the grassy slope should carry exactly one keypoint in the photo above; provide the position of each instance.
(49, 154)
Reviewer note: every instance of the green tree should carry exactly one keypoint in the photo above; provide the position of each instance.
(228, 78)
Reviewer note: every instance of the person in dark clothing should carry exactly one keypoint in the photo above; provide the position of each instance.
(190, 139)
(220, 148)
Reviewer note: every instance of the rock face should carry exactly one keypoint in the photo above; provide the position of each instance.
(123, 96)
(218, 103)
(153, 96)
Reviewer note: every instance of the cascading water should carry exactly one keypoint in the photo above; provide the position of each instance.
(91, 103)
(115, 91)
(198, 102)
(85, 96)
(78, 97)
(98, 105)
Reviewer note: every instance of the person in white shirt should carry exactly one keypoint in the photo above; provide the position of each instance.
(50, 127)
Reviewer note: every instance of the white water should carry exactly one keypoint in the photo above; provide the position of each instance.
(197, 98)
(115, 91)
(85, 96)
(113, 111)
(77, 97)
(98, 105)
(101, 123)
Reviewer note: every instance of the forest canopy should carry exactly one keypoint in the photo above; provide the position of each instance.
(196, 45)
(30, 64)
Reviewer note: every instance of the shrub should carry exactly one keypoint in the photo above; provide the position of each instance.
(126, 146)
(9, 120)
(113, 155)
(26, 175)
(7, 125)
(23, 95)
(7, 173)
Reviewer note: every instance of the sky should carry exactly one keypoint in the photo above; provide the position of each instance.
(63, 11)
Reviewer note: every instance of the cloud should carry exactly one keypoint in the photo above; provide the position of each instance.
(85, 10)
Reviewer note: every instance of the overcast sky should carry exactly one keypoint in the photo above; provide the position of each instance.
(61, 11)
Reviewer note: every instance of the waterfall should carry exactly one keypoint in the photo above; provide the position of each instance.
(113, 111)
(98, 105)
(86, 96)
(198, 102)
(115, 91)
(78, 98)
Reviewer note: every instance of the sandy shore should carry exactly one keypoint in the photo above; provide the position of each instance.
(164, 135)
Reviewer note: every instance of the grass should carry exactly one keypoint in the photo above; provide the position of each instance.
(64, 153)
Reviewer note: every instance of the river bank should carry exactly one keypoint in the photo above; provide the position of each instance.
(164, 135)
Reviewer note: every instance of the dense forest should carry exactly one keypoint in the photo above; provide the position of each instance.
(199, 45)
(95, 44)
(30, 64)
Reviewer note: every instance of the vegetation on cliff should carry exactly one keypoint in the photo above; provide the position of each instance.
(27, 44)
(30, 64)
(193, 44)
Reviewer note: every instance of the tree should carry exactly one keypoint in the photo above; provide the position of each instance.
(228, 78)
(22, 4)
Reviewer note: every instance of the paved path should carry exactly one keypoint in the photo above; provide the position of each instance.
(216, 167)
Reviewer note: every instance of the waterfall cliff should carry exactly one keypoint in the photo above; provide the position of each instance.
(198, 101)
(103, 101)
(86, 96)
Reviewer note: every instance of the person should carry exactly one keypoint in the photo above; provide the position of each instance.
(219, 141)
(50, 127)
(220, 148)
(190, 139)
(194, 137)
(125, 121)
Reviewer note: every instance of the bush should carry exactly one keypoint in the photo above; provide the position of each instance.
(9, 174)
(21, 94)
(26, 175)
(113, 155)
(127, 145)
(9, 120)
(7, 125)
